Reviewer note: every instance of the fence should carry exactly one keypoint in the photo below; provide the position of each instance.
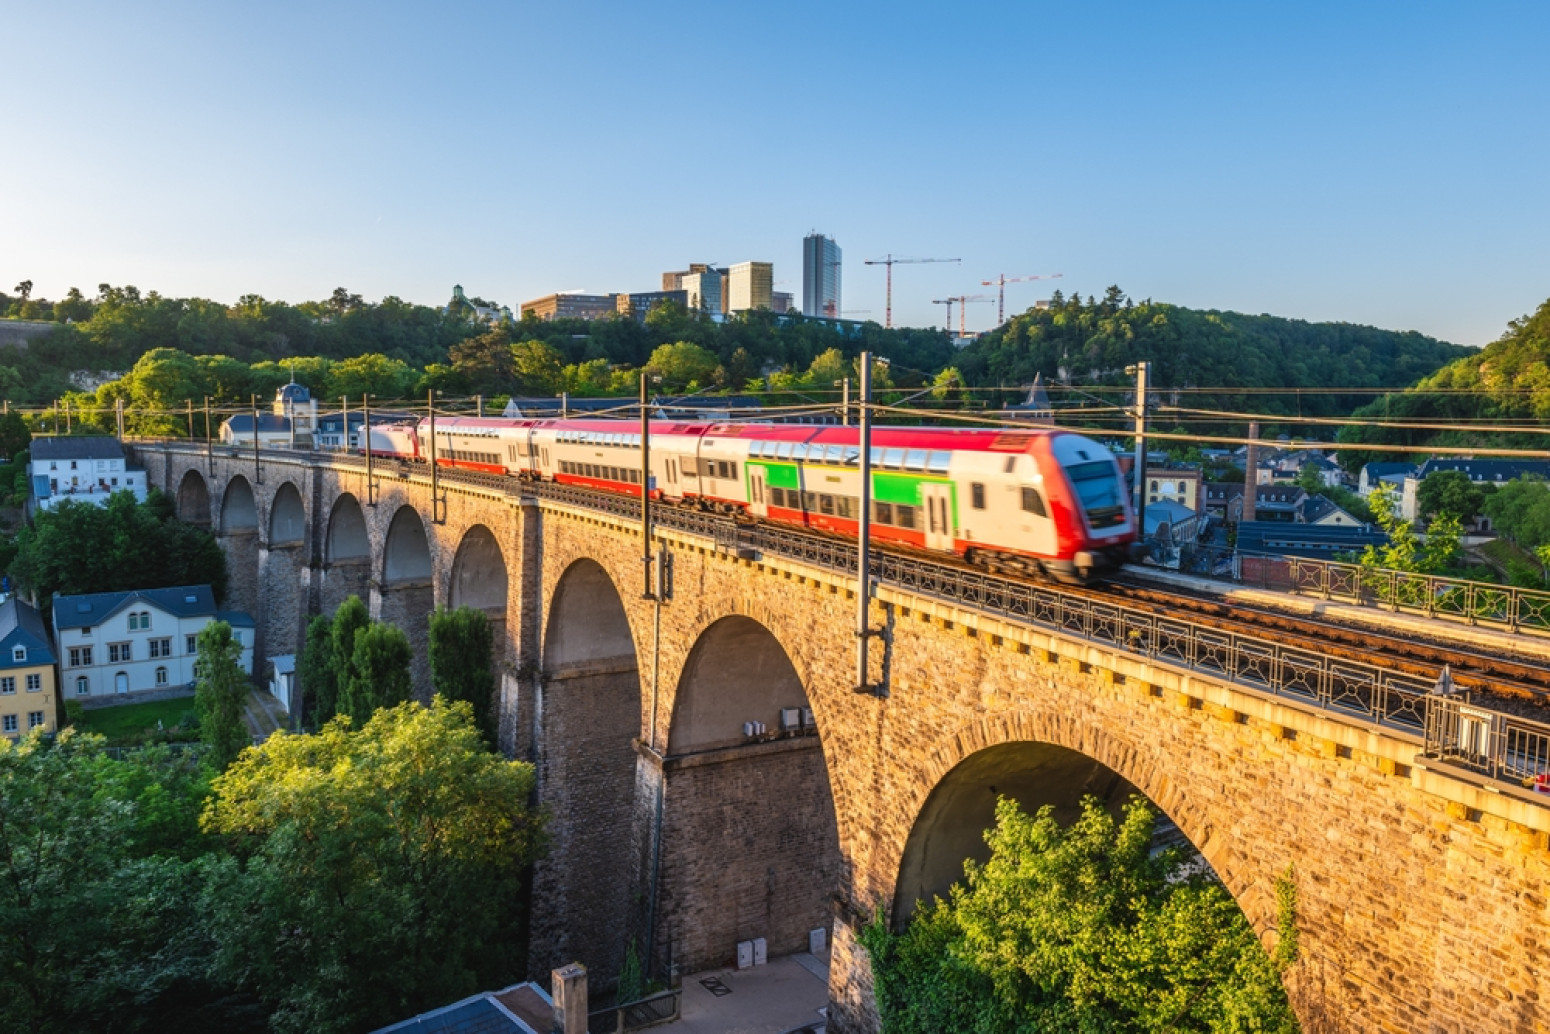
(645, 1012)
(1510, 748)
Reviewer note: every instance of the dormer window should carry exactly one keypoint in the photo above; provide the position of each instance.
(18, 653)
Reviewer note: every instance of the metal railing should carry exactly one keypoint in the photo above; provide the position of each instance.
(1514, 749)
(1433, 595)
(645, 1012)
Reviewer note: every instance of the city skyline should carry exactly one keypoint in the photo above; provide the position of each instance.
(1322, 163)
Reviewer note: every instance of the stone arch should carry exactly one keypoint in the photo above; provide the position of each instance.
(193, 505)
(1045, 759)
(758, 802)
(589, 710)
(239, 511)
(287, 517)
(479, 577)
(346, 555)
(406, 557)
(407, 595)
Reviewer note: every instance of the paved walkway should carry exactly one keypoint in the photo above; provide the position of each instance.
(263, 715)
(782, 995)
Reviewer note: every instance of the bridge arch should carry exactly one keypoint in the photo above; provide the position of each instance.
(237, 532)
(479, 576)
(406, 594)
(346, 554)
(589, 711)
(1038, 759)
(287, 517)
(755, 798)
(193, 501)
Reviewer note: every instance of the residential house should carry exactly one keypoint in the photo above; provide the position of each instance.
(27, 682)
(1390, 476)
(282, 680)
(291, 422)
(1174, 484)
(86, 468)
(1480, 472)
(1279, 503)
(1317, 509)
(119, 644)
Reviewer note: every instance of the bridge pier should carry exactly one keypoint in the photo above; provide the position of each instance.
(407, 604)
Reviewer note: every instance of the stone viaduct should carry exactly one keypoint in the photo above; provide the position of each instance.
(1422, 895)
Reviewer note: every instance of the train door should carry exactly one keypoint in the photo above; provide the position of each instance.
(758, 491)
(936, 500)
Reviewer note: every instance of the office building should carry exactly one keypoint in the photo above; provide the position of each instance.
(820, 277)
(750, 285)
(571, 307)
(703, 291)
(782, 302)
(638, 303)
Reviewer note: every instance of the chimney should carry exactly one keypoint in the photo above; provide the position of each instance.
(1251, 474)
(569, 984)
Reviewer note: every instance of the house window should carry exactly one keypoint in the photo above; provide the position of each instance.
(977, 495)
(34, 683)
(19, 653)
(34, 719)
(7, 684)
(80, 656)
(119, 652)
(9, 723)
(82, 686)
(191, 644)
(161, 676)
(161, 648)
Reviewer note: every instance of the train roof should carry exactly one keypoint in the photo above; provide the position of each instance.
(957, 439)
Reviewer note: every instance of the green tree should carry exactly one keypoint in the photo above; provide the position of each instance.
(315, 671)
(372, 374)
(379, 671)
(378, 872)
(1403, 551)
(1520, 510)
(461, 647)
(1080, 928)
(683, 364)
(1450, 492)
(537, 368)
(350, 618)
(15, 435)
(221, 693)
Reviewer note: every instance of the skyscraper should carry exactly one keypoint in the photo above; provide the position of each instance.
(820, 276)
(750, 285)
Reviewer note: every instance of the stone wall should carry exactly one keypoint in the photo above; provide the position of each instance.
(1423, 894)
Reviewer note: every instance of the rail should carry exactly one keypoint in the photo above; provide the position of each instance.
(1518, 610)
(1510, 748)
(645, 1012)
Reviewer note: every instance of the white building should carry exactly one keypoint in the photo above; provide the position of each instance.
(291, 422)
(126, 643)
(87, 469)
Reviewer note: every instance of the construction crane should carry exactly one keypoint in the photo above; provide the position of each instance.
(962, 301)
(889, 261)
(1000, 283)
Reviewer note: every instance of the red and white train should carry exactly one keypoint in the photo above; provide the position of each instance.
(1040, 501)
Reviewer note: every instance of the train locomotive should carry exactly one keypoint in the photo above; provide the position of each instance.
(1041, 501)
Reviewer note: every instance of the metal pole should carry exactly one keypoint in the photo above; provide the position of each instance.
(1141, 370)
(209, 446)
(845, 402)
(67, 416)
(479, 405)
(190, 418)
(118, 417)
(647, 592)
(430, 406)
(344, 423)
(371, 484)
(258, 474)
(864, 530)
(564, 405)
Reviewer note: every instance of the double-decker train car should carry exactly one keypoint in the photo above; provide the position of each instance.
(1041, 501)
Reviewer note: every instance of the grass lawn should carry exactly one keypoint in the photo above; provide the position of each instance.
(117, 723)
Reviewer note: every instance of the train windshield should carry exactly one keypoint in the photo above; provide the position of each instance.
(1097, 486)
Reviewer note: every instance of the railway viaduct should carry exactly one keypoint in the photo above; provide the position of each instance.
(1423, 893)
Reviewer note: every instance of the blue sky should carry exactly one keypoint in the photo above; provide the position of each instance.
(1378, 162)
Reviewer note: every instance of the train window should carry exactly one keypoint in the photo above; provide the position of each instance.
(904, 516)
(938, 462)
(1033, 502)
(1011, 461)
(977, 495)
(893, 459)
(799, 451)
(783, 451)
(845, 506)
(809, 501)
(915, 459)
(834, 453)
(826, 505)
(852, 455)
(882, 513)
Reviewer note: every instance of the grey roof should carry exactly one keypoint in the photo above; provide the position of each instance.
(235, 618)
(1488, 470)
(22, 625)
(77, 447)
(242, 423)
(1316, 541)
(293, 392)
(94, 608)
(519, 1009)
(284, 664)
